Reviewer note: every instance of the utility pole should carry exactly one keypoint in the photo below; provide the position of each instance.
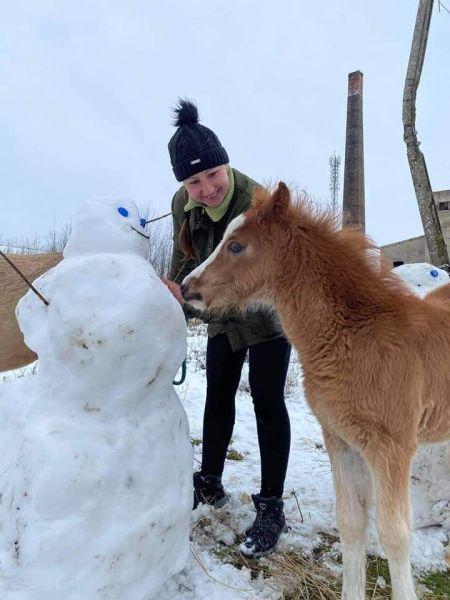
(417, 165)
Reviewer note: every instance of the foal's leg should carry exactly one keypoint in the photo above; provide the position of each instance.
(390, 465)
(352, 484)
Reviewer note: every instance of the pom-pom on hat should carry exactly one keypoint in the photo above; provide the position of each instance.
(193, 147)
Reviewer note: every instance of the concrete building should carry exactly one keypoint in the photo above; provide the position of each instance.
(415, 250)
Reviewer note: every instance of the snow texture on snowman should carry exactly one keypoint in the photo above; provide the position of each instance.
(431, 467)
(95, 457)
(422, 278)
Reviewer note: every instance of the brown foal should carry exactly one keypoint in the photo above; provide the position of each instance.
(375, 358)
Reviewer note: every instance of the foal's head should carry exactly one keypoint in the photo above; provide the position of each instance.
(240, 270)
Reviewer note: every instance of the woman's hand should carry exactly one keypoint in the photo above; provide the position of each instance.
(174, 288)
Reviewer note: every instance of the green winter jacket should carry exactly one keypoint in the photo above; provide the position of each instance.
(242, 331)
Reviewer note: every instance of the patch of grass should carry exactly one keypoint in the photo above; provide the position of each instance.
(299, 577)
(431, 586)
(437, 585)
(233, 454)
(232, 556)
(328, 539)
(378, 568)
(196, 442)
(296, 576)
(293, 575)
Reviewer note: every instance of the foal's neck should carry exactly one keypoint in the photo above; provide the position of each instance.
(326, 291)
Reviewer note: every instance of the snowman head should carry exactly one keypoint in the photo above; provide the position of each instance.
(107, 226)
(422, 278)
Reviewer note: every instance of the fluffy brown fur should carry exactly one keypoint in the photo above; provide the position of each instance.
(13, 352)
(376, 359)
(440, 294)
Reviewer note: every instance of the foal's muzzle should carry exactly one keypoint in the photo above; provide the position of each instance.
(188, 295)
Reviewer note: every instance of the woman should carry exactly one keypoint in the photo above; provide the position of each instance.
(213, 194)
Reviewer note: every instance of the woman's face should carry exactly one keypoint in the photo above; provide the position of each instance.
(208, 187)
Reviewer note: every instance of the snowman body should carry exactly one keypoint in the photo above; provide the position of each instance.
(430, 483)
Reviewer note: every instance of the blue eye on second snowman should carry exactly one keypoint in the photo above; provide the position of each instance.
(434, 273)
(122, 211)
(143, 223)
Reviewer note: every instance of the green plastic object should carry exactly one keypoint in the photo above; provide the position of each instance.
(183, 374)
(183, 367)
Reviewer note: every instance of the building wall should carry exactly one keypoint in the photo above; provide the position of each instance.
(415, 250)
(442, 200)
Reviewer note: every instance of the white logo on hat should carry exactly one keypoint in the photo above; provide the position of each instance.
(195, 161)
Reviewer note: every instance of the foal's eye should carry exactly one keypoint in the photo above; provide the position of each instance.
(235, 247)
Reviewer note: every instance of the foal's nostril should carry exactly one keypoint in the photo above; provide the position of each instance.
(184, 288)
(187, 294)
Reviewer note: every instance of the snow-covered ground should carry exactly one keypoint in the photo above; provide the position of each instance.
(309, 497)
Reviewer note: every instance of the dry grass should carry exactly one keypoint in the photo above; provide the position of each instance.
(291, 575)
(233, 454)
(303, 577)
(310, 577)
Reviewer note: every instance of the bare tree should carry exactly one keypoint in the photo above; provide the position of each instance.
(54, 241)
(160, 251)
(160, 246)
(422, 186)
(57, 238)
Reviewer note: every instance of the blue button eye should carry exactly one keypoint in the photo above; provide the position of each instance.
(143, 223)
(122, 211)
(434, 273)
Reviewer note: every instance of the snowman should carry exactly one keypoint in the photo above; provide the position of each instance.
(95, 457)
(421, 278)
(430, 484)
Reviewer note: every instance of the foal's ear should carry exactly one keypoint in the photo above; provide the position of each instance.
(260, 197)
(270, 205)
(281, 198)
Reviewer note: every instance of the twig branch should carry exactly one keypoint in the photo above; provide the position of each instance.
(158, 218)
(197, 558)
(298, 506)
(19, 272)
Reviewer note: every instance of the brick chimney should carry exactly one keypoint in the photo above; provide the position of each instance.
(353, 198)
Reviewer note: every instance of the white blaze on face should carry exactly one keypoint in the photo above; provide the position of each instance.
(235, 224)
(107, 226)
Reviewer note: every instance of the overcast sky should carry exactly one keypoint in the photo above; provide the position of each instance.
(86, 90)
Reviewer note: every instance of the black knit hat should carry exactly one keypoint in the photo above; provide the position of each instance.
(193, 147)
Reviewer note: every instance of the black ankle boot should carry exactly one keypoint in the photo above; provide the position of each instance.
(262, 537)
(208, 489)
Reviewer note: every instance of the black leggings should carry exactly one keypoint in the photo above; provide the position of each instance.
(268, 364)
